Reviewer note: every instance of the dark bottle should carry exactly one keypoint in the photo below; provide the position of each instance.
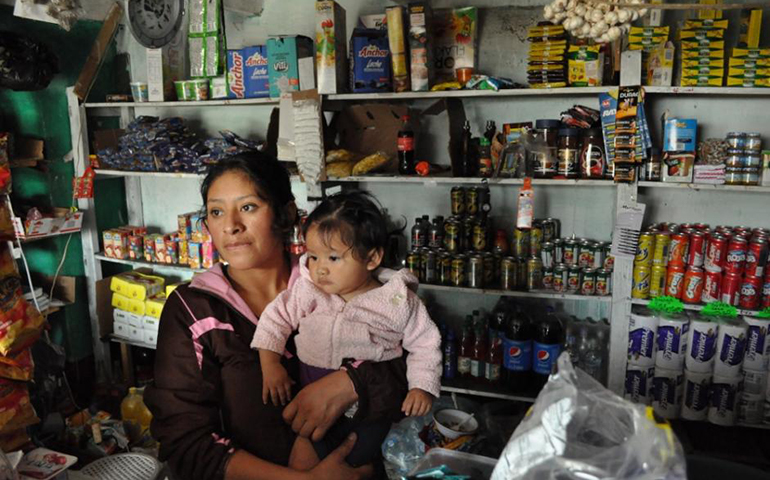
(465, 352)
(494, 358)
(498, 319)
(450, 356)
(419, 235)
(406, 147)
(436, 233)
(549, 341)
(467, 152)
(485, 158)
(478, 361)
(490, 131)
(517, 351)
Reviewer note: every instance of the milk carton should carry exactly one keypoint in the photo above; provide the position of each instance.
(247, 75)
(331, 49)
(420, 46)
(291, 64)
(369, 61)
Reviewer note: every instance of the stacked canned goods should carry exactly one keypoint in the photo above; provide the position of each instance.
(697, 264)
(699, 368)
(744, 159)
(578, 266)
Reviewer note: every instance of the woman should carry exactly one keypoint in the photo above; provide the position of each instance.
(206, 401)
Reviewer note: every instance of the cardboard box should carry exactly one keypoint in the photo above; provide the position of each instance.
(455, 38)
(660, 66)
(369, 128)
(120, 316)
(331, 48)
(105, 311)
(136, 285)
(151, 323)
(369, 61)
(150, 337)
(69, 223)
(134, 320)
(120, 330)
(291, 63)
(247, 72)
(421, 46)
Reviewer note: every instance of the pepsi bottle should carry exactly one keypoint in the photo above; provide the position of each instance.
(517, 351)
(548, 344)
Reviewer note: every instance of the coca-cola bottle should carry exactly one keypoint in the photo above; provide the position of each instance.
(406, 147)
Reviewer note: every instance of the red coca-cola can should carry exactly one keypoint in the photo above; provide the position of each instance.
(702, 226)
(697, 249)
(716, 251)
(756, 258)
(730, 292)
(675, 281)
(735, 260)
(693, 285)
(766, 293)
(677, 251)
(686, 226)
(712, 283)
(751, 293)
(727, 234)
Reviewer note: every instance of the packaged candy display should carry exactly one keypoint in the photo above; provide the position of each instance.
(749, 67)
(547, 66)
(703, 52)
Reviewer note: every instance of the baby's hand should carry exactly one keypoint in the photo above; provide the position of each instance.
(276, 384)
(417, 403)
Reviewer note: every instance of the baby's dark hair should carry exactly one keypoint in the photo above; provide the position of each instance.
(356, 217)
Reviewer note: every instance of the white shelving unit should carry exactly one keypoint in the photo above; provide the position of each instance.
(696, 308)
(519, 294)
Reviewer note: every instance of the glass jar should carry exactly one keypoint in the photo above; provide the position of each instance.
(734, 158)
(751, 176)
(568, 153)
(592, 157)
(736, 140)
(544, 164)
(652, 166)
(766, 168)
(752, 160)
(733, 176)
(753, 142)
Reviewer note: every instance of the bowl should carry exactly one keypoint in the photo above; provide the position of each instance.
(447, 420)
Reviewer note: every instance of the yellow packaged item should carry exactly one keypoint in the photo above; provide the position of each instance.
(702, 81)
(749, 62)
(751, 53)
(136, 307)
(748, 72)
(703, 62)
(702, 34)
(547, 44)
(748, 82)
(545, 30)
(711, 13)
(703, 53)
(154, 306)
(585, 66)
(660, 66)
(446, 86)
(340, 156)
(548, 85)
(371, 164)
(120, 301)
(539, 68)
(705, 24)
(340, 169)
(700, 71)
(136, 285)
(649, 31)
(750, 28)
(711, 45)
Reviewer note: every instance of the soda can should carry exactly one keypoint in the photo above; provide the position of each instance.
(677, 251)
(696, 395)
(673, 330)
(754, 382)
(751, 293)
(658, 281)
(472, 201)
(558, 251)
(641, 288)
(667, 391)
(413, 263)
(600, 255)
(560, 278)
(693, 285)
(570, 251)
(712, 284)
(489, 269)
(642, 328)
(452, 236)
(750, 409)
(475, 273)
(546, 254)
(660, 253)
(701, 226)
(520, 242)
(445, 268)
(723, 407)
(609, 259)
(508, 273)
(701, 346)
(573, 279)
(534, 274)
(498, 259)
(547, 278)
(675, 282)
(736, 256)
(697, 249)
(756, 257)
(603, 282)
(757, 344)
(458, 200)
(429, 261)
(536, 239)
(586, 254)
(730, 291)
(458, 270)
(549, 230)
(479, 237)
(521, 273)
(731, 348)
(638, 384)
(588, 282)
(466, 233)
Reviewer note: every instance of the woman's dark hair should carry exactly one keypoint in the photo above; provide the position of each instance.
(356, 217)
(272, 182)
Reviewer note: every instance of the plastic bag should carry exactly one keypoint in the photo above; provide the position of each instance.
(577, 429)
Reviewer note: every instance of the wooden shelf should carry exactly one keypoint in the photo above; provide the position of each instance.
(694, 308)
(515, 293)
(468, 386)
(142, 263)
(703, 186)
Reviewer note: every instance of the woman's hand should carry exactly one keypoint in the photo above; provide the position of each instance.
(317, 406)
(417, 403)
(334, 467)
(276, 384)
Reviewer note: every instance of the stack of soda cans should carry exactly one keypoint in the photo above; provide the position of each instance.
(697, 367)
(697, 265)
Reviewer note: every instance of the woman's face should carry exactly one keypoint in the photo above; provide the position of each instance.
(240, 222)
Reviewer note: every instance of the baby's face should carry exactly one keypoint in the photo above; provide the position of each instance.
(333, 267)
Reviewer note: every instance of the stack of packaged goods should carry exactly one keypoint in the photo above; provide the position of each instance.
(586, 65)
(651, 41)
(547, 56)
(138, 301)
(206, 38)
(698, 265)
(699, 367)
(749, 67)
(744, 162)
(703, 53)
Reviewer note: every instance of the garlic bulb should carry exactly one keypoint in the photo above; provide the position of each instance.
(623, 15)
(611, 18)
(614, 33)
(580, 10)
(596, 16)
(602, 22)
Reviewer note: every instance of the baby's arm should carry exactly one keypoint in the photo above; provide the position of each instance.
(276, 383)
(423, 342)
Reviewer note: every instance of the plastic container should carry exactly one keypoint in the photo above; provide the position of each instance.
(140, 92)
(446, 418)
(199, 89)
(184, 90)
(461, 463)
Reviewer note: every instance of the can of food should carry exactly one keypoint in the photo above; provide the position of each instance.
(677, 251)
(534, 274)
(445, 267)
(675, 282)
(560, 274)
(588, 282)
(536, 239)
(497, 257)
(508, 273)
(573, 279)
(521, 273)
(697, 250)
(712, 284)
(429, 260)
(480, 235)
(547, 278)
(570, 251)
(660, 253)
(603, 282)
(452, 236)
(475, 271)
(658, 281)
(609, 259)
(756, 257)
(600, 255)
(467, 234)
(547, 255)
(472, 200)
(520, 242)
(641, 287)
(586, 254)
(716, 252)
(766, 293)
(549, 230)
(558, 251)
(458, 270)
(736, 255)
(645, 249)
(414, 263)
(489, 269)
(458, 200)
(730, 291)
(692, 289)
(751, 293)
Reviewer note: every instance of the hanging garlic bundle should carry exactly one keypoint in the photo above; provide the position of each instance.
(601, 21)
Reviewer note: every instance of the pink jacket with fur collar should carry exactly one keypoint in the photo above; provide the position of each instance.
(373, 326)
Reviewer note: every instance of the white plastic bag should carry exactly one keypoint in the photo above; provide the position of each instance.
(577, 429)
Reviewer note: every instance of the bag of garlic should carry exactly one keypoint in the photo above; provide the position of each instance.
(585, 66)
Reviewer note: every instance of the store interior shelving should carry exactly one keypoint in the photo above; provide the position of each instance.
(515, 293)
(142, 263)
(694, 308)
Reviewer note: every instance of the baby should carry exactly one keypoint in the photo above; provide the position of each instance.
(342, 311)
